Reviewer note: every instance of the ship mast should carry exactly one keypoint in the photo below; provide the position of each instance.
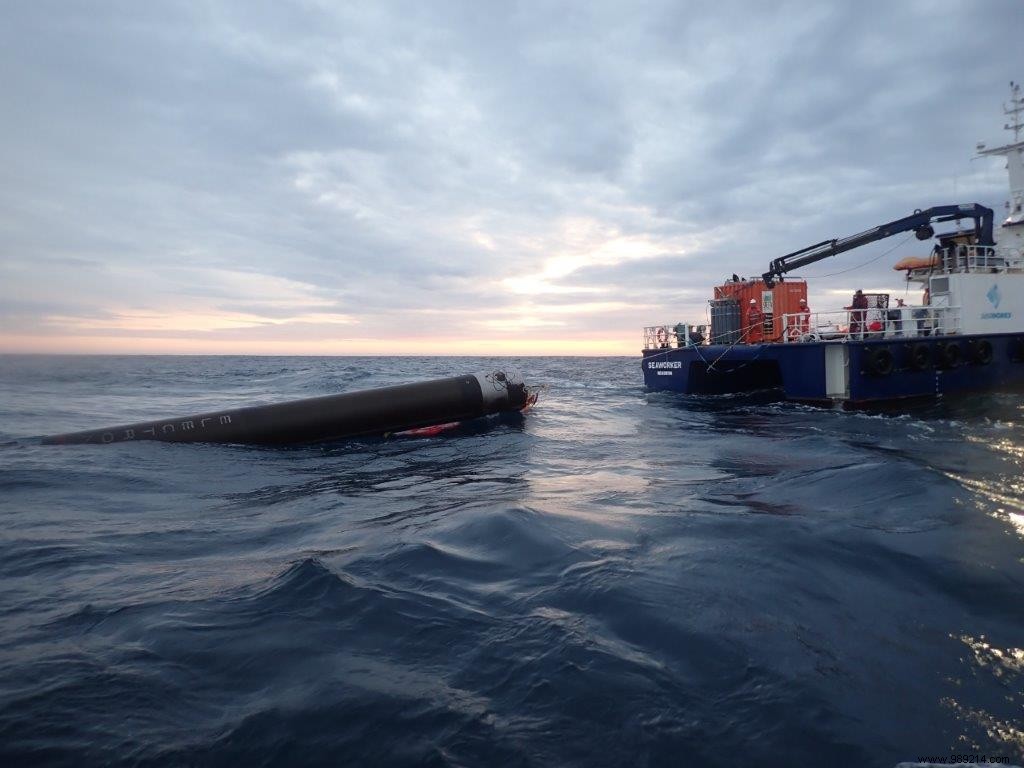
(1014, 154)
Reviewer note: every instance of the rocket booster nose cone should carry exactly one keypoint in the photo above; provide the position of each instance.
(502, 388)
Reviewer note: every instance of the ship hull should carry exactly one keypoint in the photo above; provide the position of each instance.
(852, 373)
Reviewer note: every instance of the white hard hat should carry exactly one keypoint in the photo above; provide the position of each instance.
(803, 301)
(753, 301)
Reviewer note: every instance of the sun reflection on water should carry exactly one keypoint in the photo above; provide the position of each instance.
(1006, 665)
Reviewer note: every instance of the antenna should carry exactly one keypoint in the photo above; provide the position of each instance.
(1013, 152)
(1015, 109)
(959, 227)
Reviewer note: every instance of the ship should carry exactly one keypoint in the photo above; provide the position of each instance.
(965, 335)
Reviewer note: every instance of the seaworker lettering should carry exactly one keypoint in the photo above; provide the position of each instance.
(665, 364)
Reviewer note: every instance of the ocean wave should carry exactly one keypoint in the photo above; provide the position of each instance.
(616, 578)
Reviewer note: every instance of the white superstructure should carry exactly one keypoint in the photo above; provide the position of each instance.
(1010, 236)
(986, 284)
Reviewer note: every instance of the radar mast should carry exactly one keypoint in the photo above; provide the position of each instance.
(1014, 154)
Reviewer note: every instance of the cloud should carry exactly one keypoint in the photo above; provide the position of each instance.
(287, 172)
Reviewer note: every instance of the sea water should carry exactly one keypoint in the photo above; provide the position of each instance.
(619, 578)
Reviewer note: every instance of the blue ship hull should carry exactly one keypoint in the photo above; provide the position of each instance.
(853, 373)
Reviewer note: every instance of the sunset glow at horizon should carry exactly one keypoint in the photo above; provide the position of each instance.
(399, 180)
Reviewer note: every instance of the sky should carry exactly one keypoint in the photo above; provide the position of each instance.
(467, 178)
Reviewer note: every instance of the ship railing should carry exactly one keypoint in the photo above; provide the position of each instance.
(660, 336)
(955, 259)
(875, 323)
(675, 335)
(970, 258)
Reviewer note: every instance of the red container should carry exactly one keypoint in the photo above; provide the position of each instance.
(783, 298)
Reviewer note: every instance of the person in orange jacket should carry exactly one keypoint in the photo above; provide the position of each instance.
(754, 324)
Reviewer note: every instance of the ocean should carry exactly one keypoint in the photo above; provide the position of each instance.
(619, 578)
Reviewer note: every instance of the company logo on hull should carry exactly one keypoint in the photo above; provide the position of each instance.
(994, 296)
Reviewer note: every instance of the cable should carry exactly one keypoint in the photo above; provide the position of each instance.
(739, 337)
(858, 266)
(711, 366)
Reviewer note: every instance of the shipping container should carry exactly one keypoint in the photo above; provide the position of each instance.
(783, 298)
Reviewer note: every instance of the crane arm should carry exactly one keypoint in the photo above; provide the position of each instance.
(919, 221)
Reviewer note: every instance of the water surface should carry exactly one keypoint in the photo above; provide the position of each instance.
(620, 578)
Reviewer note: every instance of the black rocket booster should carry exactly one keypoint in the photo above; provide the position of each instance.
(369, 412)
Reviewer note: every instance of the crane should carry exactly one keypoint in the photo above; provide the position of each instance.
(920, 222)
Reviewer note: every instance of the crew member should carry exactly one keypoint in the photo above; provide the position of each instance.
(924, 317)
(895, 318)
(754, 323)
(803, 318)
(859, 313)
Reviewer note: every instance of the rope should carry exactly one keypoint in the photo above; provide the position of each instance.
(858, 266)
(713, 363)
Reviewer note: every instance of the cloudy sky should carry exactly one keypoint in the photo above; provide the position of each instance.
(466, 178)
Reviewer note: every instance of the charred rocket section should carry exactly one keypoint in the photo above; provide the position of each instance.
(317, 419)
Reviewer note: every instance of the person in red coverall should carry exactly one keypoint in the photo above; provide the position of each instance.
(803, 319)
(754, 323)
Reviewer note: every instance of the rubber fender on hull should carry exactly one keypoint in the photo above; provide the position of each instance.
(980, 351)
(1016, 347)
(920, 356)
(368, 412)
(878, 361)
(950, 355)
